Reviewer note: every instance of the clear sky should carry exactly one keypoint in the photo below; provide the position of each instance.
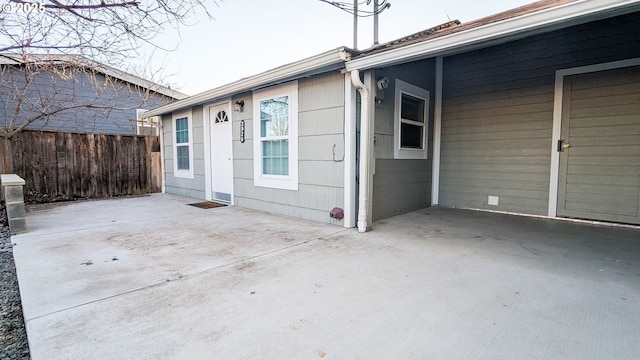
(251, 36)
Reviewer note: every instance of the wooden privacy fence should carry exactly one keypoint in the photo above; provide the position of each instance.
(84, 165)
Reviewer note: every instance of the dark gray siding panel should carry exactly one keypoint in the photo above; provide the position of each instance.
(400, 186)
(498, 112)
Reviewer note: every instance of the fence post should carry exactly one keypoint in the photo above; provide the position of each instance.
(6, 163)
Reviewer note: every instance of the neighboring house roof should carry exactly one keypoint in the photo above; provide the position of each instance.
(327, 61)
(19, 59)
(453, 37)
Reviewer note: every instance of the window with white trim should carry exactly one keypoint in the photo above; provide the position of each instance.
(182, 146)
(411, 121)
(275, 137)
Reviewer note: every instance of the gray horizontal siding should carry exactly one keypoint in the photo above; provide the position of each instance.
(320, 154)
(498, 112)
(195, 187)
(49, 91)
(400, 186)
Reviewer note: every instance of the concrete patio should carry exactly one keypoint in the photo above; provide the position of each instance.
(155, 278)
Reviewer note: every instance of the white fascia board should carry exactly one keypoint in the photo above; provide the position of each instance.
(283, 73)
(568, 14)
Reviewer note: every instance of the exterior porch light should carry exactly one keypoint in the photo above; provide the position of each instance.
(238, 106)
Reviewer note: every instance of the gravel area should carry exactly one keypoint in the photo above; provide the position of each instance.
(13, 337)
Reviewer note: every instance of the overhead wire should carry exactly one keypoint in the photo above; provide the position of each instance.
(356, 10)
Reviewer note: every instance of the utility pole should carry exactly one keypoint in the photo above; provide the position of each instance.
(355, 25)
(375, 22)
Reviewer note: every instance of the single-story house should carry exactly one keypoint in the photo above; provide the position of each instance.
(71, 93)
(532, 111)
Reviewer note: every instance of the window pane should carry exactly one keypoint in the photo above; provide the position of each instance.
(182, 130)
(182, 157)
(275, 157)
(411, 136)
(274, 117)
(412, 108)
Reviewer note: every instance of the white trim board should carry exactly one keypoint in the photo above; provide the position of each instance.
(557, 120)
(437, 132)
(326, 61)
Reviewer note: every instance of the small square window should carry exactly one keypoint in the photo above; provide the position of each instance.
(412, 108)
(182, 157)
(410, 121)
(411, 136)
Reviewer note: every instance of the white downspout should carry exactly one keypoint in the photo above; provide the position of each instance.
(365, 133)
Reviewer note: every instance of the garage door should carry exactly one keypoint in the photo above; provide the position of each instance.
(599, 175)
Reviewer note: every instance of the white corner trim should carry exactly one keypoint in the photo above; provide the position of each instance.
(206, 126)
(437, 133)
(557, 120)
(350, 152)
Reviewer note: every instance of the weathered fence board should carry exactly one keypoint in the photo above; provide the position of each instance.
(83, 165)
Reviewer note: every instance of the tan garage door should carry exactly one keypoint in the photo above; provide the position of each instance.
(600, 161)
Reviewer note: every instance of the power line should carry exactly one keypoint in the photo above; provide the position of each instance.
(354, 9)
(445, 10)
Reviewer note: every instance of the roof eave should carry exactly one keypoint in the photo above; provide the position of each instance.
(138, 81)
(78, 60)
(557, 17)
(327, 61)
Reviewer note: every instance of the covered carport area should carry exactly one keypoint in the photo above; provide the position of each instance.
(152, 278)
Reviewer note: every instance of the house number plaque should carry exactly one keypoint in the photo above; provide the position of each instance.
(242, 131)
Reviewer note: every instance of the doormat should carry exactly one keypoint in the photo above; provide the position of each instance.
(207, 205)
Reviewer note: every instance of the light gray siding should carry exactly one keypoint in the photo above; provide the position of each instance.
(400, 186)
(320, 154)
(195, 187)
(498, 112)
(49, 92)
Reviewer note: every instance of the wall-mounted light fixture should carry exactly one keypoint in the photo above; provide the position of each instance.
(239, 106)
(381, 84)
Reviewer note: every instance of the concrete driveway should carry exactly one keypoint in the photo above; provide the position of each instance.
(155, 278)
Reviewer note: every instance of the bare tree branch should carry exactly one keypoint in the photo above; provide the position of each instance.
(48, 45)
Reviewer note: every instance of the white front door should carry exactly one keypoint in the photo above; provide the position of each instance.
(221, 153)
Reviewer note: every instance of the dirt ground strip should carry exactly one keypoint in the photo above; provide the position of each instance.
(13, 337)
